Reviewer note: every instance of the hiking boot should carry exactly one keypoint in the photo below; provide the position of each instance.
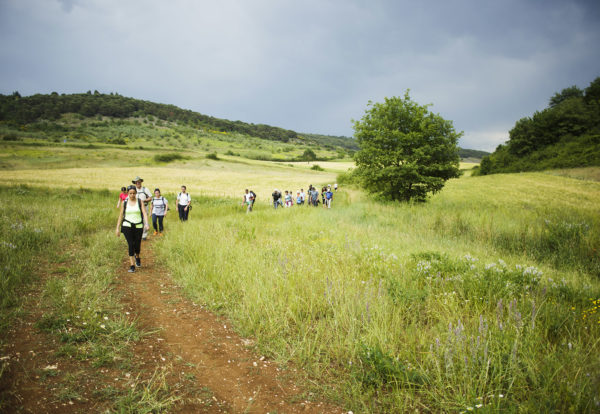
(131, 269)
(138, 262)
(160, 234)
(155, 232)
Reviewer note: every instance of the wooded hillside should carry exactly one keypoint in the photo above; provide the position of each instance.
(566, 134)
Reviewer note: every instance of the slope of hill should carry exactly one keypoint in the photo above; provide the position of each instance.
(564, 135)
(115, 119)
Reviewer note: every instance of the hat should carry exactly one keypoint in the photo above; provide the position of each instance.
(136, 179)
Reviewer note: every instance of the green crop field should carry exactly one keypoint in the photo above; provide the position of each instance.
(484, 298)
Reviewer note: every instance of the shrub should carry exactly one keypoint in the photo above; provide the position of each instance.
(10, 137)
(316, 167)
(168, 157)
(212, 156)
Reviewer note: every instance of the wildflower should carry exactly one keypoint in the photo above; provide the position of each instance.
(103, 326)
(479, 406)
(500, 395)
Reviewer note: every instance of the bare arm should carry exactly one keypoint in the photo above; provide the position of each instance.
(120, 220)
(145, 218)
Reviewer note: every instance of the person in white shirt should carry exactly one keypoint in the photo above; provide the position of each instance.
(160, 206)
(144, 195)
(183, 203)
(248, 200)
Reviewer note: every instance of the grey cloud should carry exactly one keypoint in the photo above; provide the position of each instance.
(309, 66)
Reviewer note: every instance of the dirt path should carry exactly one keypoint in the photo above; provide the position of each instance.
(189, 351)
(240, 381)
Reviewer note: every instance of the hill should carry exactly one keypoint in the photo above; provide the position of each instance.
(115, 119)
(566, 134)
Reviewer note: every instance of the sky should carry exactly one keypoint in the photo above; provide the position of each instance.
(312, 65)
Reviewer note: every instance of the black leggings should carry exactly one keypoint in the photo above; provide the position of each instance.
(134, 239)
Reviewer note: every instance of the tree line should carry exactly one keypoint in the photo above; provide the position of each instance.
(25, 110)
(563, 135)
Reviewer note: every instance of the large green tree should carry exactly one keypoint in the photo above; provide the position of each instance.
(406, 151)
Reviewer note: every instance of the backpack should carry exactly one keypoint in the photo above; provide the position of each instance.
(253, 195)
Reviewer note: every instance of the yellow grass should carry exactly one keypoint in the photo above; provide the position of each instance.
(210, 178)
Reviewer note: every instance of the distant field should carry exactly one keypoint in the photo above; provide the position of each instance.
(212, 178)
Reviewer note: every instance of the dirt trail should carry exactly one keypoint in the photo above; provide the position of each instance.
(240, 381)
(209, 368)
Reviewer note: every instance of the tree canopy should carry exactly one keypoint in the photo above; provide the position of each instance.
(405, 151)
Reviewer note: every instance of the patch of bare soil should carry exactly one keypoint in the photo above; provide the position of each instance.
(194, 354)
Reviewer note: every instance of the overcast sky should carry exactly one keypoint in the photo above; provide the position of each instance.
(308, 65)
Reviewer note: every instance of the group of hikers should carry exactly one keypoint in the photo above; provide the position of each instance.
(288, 200)
(135, 202)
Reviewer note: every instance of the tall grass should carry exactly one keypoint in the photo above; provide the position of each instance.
(34, 223)
(483, 297)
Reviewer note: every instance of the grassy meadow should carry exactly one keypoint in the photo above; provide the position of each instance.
(483, 299)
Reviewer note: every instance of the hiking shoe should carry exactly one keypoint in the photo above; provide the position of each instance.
(160, 234)
(138, 262)
(155, 233)
(131, 269)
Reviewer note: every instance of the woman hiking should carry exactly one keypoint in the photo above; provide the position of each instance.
(160, 206)
(133, 220)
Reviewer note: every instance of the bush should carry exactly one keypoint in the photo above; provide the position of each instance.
(212, 156)
(168, 157)
(119, 141)
(10, 137)
(316, 167)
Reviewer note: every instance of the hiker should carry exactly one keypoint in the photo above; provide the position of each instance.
(248, 201)
(184, 201)
(314, 197)
(335, 186)
(288, 199)
(144, 195)
(160, 206)
(122, 197)
(133, 220)
(323, 191)
(302, 196)
(328, 197)
(299, 200)
(276, 198)
(253, 194)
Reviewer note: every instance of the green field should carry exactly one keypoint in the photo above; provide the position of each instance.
(483, 298)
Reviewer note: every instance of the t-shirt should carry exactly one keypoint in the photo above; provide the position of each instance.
(328, 195)
(248, 197)
(302, 196)
(184, 199)
(133, 215)
(143, 194)
(159, 206)
(123, 196)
